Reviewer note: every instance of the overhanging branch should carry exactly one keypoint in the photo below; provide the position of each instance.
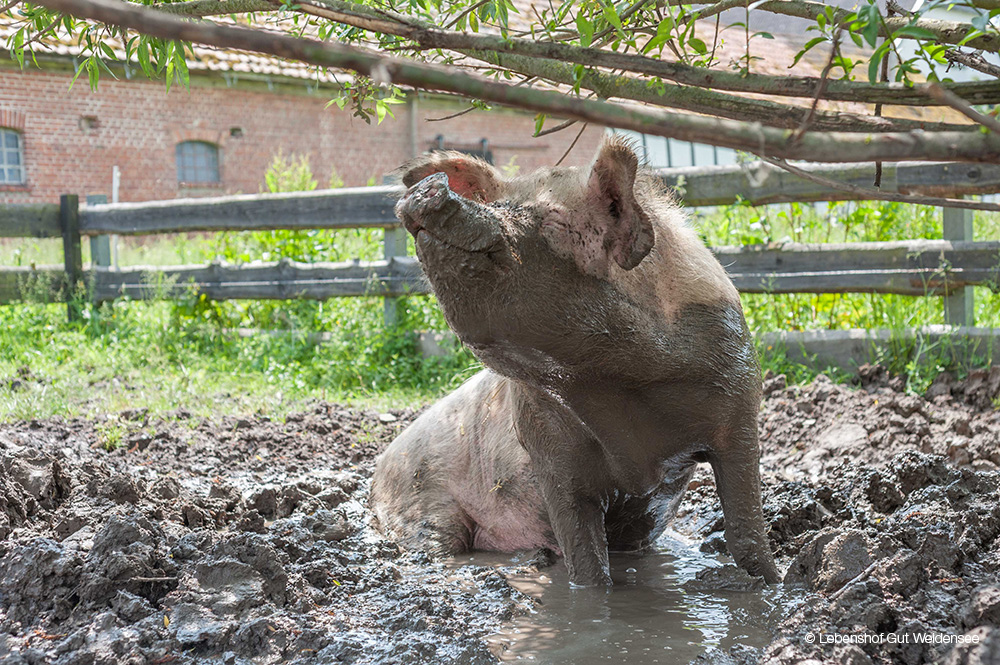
(428, 36)
(831, 146)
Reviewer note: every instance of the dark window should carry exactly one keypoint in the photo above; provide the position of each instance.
(197, 161)
(11, 157)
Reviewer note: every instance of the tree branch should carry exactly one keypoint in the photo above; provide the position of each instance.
(697, 100)
(429, 36)
(831, 147)
(972, 61)
(957, 103)
(868, 194)
(946, 32)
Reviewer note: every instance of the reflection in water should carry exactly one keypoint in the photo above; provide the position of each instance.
(647, 617)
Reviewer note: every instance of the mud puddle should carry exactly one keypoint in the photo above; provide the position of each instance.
(247, 541)
(672, 605)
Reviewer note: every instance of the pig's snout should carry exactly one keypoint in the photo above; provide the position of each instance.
(427, 199)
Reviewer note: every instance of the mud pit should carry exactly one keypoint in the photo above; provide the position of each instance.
(247, 540)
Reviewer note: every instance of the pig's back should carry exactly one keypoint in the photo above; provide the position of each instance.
(457, 479)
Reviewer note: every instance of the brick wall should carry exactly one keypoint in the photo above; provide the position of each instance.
(73, 138)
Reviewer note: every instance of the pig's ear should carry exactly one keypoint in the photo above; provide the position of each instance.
(467, 176)
(628, 237)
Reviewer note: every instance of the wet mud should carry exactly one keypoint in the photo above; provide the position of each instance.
(246, 540)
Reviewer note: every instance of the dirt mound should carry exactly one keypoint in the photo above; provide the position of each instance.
(886, 508)
(240, 540)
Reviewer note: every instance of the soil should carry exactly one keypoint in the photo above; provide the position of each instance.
(175, 540)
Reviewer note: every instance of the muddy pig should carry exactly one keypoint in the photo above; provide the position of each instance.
(617, 358)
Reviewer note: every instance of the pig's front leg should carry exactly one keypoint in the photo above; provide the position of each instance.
(735, 462)
(557, 444)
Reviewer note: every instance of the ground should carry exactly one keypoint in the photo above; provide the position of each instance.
(181, 540)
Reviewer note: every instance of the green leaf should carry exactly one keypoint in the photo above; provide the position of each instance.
(93, 73)
(805, 49)
(611, 16)
(142, 54)
(915, 32)
(870, 30)
(539, 123)
(586, 30)
(698, 45)
(876, 60)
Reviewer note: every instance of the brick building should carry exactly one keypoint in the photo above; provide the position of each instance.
(219, 136)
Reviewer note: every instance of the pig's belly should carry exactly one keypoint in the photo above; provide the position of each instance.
(507, 523)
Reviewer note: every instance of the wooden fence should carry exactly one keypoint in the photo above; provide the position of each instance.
(943, 267)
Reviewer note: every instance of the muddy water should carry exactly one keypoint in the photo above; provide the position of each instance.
(657, 612)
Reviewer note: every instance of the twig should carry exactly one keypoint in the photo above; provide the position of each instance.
(972, 61)
(864, 575)
(954, 101)
(866, 193)
(571, 145)
(558, 128)
(453, 115)
(821, 86)
(9, 5)
(465, 12)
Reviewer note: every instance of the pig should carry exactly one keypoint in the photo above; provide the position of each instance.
(616, 359)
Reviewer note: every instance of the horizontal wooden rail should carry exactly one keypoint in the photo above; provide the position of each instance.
(909, 267)
(353, 207)
(282, 281)
(35, 220)
(916, 267)
(760, 184)
(373, 206)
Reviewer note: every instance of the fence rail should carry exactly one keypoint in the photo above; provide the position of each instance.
(913, 267)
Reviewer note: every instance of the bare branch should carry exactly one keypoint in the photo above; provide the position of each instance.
(969, 146)
(571, 145)
(866, 193)
(558, 128)
(453, 115)
(972, 61)
(959, 104)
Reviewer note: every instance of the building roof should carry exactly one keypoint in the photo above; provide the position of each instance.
(206, 58)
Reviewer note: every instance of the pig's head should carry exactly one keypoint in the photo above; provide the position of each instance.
(529, 271)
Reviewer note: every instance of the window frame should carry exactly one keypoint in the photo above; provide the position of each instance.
(189, 165)
(18, 151)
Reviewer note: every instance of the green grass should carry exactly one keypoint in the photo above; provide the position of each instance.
(185, 354)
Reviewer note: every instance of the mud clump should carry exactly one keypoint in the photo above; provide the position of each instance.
(242, 540)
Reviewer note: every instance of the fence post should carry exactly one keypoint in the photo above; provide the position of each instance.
(959, 308)
(395, 245)
(69, 222)
(100, 246)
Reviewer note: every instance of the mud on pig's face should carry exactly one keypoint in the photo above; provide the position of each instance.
(517, 263)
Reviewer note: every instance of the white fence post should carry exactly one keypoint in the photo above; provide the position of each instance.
(959, 306)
